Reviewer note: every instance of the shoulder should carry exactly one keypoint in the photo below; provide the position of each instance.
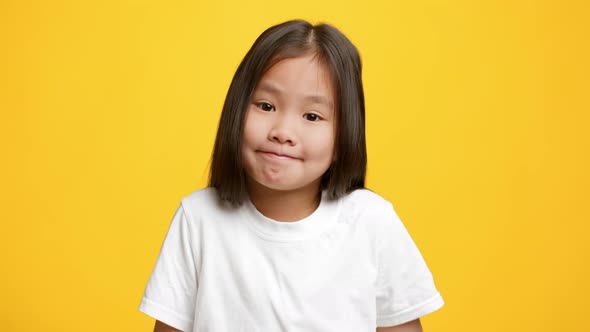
(204, 202)
(201, 197)
(368, 206)
(367, 201)
(367, 197)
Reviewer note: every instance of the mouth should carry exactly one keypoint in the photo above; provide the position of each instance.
(277, 156)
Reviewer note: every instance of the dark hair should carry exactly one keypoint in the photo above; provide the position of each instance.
(287, 40)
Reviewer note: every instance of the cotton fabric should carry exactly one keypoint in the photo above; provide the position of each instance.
(349, 266)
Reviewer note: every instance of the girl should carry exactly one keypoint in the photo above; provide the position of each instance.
(286, 238)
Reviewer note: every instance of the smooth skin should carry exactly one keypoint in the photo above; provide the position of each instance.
(161, 327)
(289, 134)
(413, 326)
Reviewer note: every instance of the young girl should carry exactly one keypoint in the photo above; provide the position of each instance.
(286, 238)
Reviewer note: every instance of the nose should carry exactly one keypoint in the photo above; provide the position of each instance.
(282, 131)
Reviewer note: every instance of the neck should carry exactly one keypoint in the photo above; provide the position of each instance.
(287, 205)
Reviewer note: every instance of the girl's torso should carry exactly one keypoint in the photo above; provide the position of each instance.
(257, 274)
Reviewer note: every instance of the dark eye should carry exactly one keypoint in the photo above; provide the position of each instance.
(311, 117)
(265, 106)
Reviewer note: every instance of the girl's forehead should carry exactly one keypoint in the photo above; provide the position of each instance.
(303, 74)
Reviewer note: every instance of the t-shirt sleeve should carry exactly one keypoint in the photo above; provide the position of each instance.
(171, 290)
(405, 287)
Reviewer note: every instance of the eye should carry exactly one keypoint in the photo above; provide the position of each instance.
(265, 106)
(312, 117)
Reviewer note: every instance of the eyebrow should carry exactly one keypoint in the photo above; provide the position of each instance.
(275, 90)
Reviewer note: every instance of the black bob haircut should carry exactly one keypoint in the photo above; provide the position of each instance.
(288, 40)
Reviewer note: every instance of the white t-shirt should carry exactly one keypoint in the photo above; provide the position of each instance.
(349, 266)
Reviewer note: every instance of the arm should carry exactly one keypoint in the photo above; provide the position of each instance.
(412, 326)
(161, 327)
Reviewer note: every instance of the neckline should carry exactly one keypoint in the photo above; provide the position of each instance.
(287, 231)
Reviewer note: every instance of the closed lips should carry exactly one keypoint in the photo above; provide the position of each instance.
(278, 155)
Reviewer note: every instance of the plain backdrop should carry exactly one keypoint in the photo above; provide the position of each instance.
(477, 113)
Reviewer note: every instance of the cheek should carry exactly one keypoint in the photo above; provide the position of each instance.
(250, 128)
(321, 145)
(255, 123)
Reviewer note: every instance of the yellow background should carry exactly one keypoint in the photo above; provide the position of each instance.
(476, 120)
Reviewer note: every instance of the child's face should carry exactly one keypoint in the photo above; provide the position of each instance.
(290, 126)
